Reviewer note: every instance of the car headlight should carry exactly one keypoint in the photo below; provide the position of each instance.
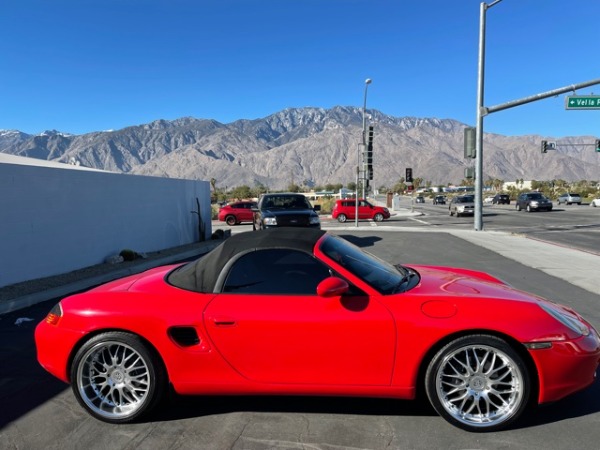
(314, 220)
(270, 220)
(568, 320)
(460, 208)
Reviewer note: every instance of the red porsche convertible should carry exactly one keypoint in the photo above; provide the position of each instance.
(299, 311)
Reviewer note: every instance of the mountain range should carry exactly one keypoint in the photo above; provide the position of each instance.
(312, 146)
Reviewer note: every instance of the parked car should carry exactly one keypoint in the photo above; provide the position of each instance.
(462, 205)
(420, 199)
(439, 200)
(302, 312)
(346, 209)
(501, 199)
(568, 198)
(237, 212)
(595, 202)
(488, 199)
(533, 201)
(285, 210)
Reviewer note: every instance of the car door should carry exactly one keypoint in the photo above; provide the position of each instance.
(365, 211)
(246, 214)
(271, 327)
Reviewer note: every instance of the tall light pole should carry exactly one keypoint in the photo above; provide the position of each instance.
(362, 147)
(480, 113)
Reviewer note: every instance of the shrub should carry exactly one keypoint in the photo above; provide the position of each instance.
(128, 255)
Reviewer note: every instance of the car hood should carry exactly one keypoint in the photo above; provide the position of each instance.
(439, 282)
(288, 212)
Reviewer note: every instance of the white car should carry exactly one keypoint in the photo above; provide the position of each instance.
(568, 198)
(595, 202)
(488, 199)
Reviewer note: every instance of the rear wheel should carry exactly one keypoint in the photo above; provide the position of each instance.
(117, 378)
(342, 218)
(478, 383)
(231, 220)
(518, 207)
(378, 217)
(451, 213)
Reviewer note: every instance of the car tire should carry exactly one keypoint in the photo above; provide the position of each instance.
(479, 383)
(117, 377)
(518, 207)
(579, 203)
(451, 213)
(342, 218)
(378, 217)
(231, 220)
(528, 208)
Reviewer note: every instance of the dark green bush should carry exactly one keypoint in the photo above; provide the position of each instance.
(128, 255)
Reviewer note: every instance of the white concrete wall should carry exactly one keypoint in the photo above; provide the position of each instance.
(55, 220)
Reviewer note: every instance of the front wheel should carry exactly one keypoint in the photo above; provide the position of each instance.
(378, 217)
(342, 218)
(478, 383)
(117, 378)
(528, 208)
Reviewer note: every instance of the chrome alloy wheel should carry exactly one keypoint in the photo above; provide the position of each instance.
(113, 380)
(479, 386)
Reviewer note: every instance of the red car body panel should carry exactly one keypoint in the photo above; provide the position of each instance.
(373, 345)
(240, 210)
(348, 208)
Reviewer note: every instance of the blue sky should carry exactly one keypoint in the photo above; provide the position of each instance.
(88, 65)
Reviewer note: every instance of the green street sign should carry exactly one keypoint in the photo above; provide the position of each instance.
(582, 102)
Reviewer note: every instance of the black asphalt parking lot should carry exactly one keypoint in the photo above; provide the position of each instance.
(40, 412)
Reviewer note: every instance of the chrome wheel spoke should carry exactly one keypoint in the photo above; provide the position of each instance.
(479, 385)
(113, 379)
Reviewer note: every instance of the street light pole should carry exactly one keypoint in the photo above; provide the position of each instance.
(480, 113)
(362, 146)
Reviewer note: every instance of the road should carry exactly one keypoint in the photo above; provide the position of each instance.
(41, 413)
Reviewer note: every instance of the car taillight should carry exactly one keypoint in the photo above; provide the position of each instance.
(54, 315)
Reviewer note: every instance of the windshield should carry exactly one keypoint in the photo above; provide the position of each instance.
(465, 199)
(384, 277)
(286, 202)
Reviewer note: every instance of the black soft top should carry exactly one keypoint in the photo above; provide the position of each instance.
(201, 275)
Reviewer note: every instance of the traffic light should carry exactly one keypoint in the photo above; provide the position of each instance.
(409, 177)
(544, 146)
(370, 153)
(470, 142)
(598, 145)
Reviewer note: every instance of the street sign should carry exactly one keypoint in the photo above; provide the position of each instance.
(582, 102)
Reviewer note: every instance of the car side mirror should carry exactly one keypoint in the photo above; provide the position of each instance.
(332, 287)
(317, 208)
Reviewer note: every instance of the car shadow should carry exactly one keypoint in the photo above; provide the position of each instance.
(181, 408)
(359, 241)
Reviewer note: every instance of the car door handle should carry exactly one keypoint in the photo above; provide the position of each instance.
(223, 321)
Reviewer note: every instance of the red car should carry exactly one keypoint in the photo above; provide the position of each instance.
(299, 311)
(237, 212)
(346, 209)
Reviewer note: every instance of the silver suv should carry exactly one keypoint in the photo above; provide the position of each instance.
(568, 198)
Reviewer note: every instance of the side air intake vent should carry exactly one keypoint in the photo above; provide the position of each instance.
(184, 336)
